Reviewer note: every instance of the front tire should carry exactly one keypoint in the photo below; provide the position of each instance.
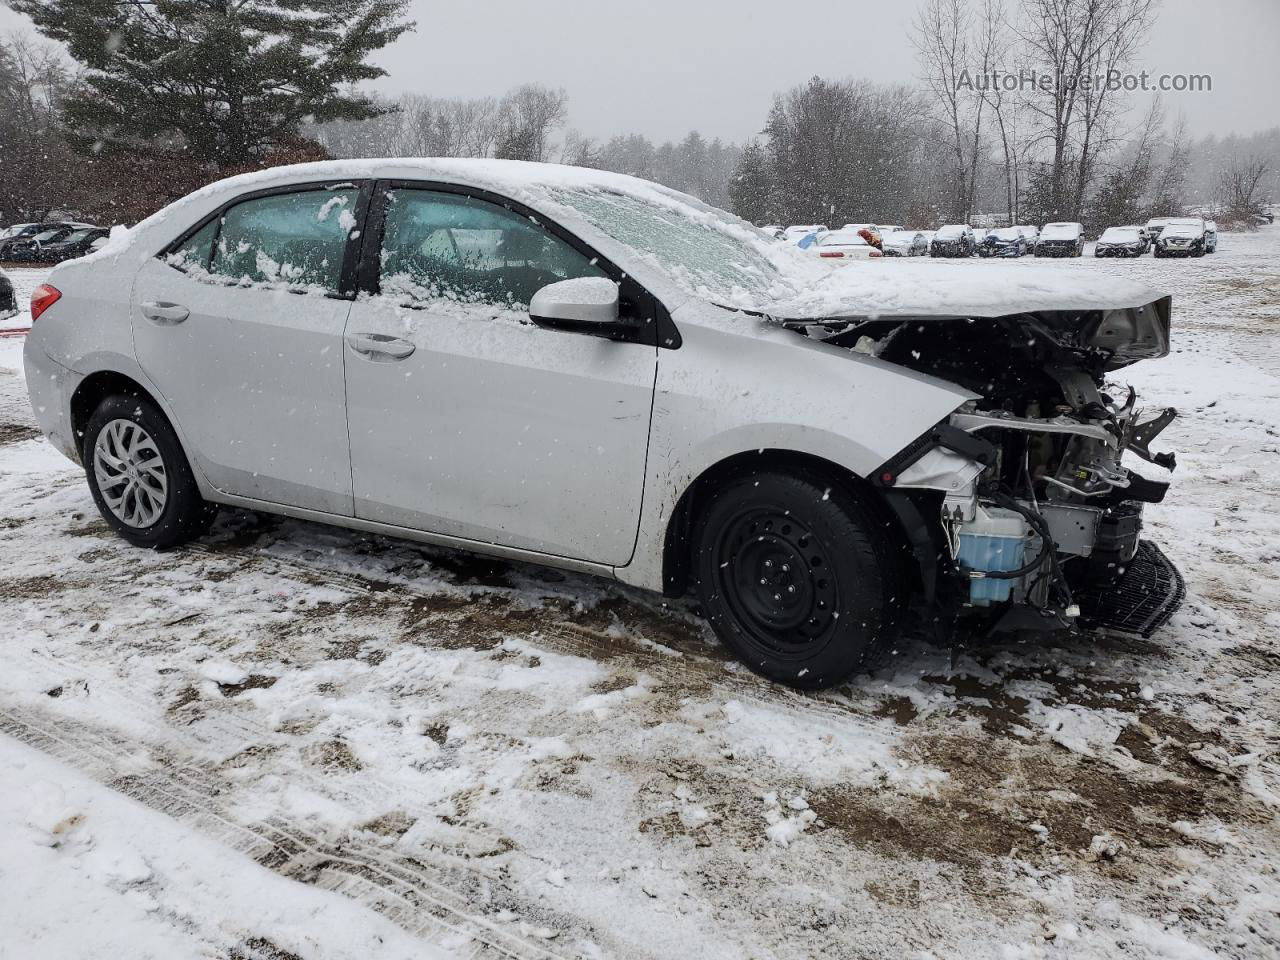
(139, 475)
(798, 576)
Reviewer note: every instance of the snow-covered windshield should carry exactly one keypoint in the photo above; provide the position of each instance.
(1007, 233)
(1119, 235)
(712, 254)
(1060, 231)
(901, 236)
(1186, 230)
(951, 232)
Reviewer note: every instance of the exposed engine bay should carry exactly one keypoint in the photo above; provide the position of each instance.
(1020, 507)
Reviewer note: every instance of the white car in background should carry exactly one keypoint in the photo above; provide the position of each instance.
(581, 369)
(843, 246)
(905, 243)
(797, 234)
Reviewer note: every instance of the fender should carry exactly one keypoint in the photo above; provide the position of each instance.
(772, 390)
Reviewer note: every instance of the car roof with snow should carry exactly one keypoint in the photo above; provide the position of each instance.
(675, 245)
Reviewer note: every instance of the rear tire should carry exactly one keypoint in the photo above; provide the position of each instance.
(800, 577)
(139, 475)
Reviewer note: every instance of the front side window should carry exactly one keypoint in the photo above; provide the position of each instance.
(447, 247)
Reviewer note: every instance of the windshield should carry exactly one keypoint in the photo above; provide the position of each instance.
(1120, 235)
(950, 233)
(901, 236)
(76, 235)
(1060, 231)
(1008, 233)
(710, 253)
(47, 235)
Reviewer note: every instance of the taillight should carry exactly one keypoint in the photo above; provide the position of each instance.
(875, 253)
(831, 253)
(42, 298)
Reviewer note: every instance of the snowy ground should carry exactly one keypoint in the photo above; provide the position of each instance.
(200, 749)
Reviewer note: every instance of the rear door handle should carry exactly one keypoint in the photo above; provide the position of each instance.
(379, 346)
(158, 311)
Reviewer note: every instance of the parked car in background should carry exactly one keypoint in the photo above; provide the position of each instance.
(1121, 242)
(1060, 240)
(774, 230)
(75, 244)
(1005, 242)
(844, 246)
(800, 234)
(8, 300)
(322, 342)
(1211, 236)
(1154, 227)
(19, 233)
(905, 243)
(953, 240)
(888, 228)
(1182, 238)
(29, 248)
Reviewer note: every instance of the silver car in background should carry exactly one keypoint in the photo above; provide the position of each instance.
(585, 370)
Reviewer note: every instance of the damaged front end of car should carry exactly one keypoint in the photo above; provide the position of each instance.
(1021, 512)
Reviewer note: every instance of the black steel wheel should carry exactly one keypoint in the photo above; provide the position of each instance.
(800, 576)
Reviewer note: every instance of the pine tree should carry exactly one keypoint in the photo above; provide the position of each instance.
(223, 80)
(749, 187)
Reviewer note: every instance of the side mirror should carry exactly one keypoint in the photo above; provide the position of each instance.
(582, 305)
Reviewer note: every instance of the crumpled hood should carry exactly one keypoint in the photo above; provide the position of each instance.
(878, 289)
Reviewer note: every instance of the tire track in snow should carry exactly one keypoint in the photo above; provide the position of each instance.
(408, 892)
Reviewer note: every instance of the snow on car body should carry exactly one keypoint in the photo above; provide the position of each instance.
(595, 372)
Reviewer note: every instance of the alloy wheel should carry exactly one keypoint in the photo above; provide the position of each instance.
(130, 472)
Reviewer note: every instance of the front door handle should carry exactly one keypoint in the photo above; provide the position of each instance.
(164, 313)
(379, 346)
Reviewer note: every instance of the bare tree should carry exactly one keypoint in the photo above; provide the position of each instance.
(942, 37)
(528, 116)
(1239, 189)
(1084, 46)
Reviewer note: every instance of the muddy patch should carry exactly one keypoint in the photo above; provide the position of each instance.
(17, 433)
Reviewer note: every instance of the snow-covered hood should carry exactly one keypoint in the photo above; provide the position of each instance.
(880, 290)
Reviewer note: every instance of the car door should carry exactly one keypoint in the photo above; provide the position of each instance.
(467, 419)
(239, 325)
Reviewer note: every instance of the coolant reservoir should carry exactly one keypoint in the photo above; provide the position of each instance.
(994, 541)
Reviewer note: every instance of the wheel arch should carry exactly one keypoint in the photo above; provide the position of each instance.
(95, 388)
(677, 545)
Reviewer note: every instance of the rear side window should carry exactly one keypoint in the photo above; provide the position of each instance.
(447, 247)
(197, 251)
(293, 240)
(296, 240)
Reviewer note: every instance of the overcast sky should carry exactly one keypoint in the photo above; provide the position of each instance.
(663, 67)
